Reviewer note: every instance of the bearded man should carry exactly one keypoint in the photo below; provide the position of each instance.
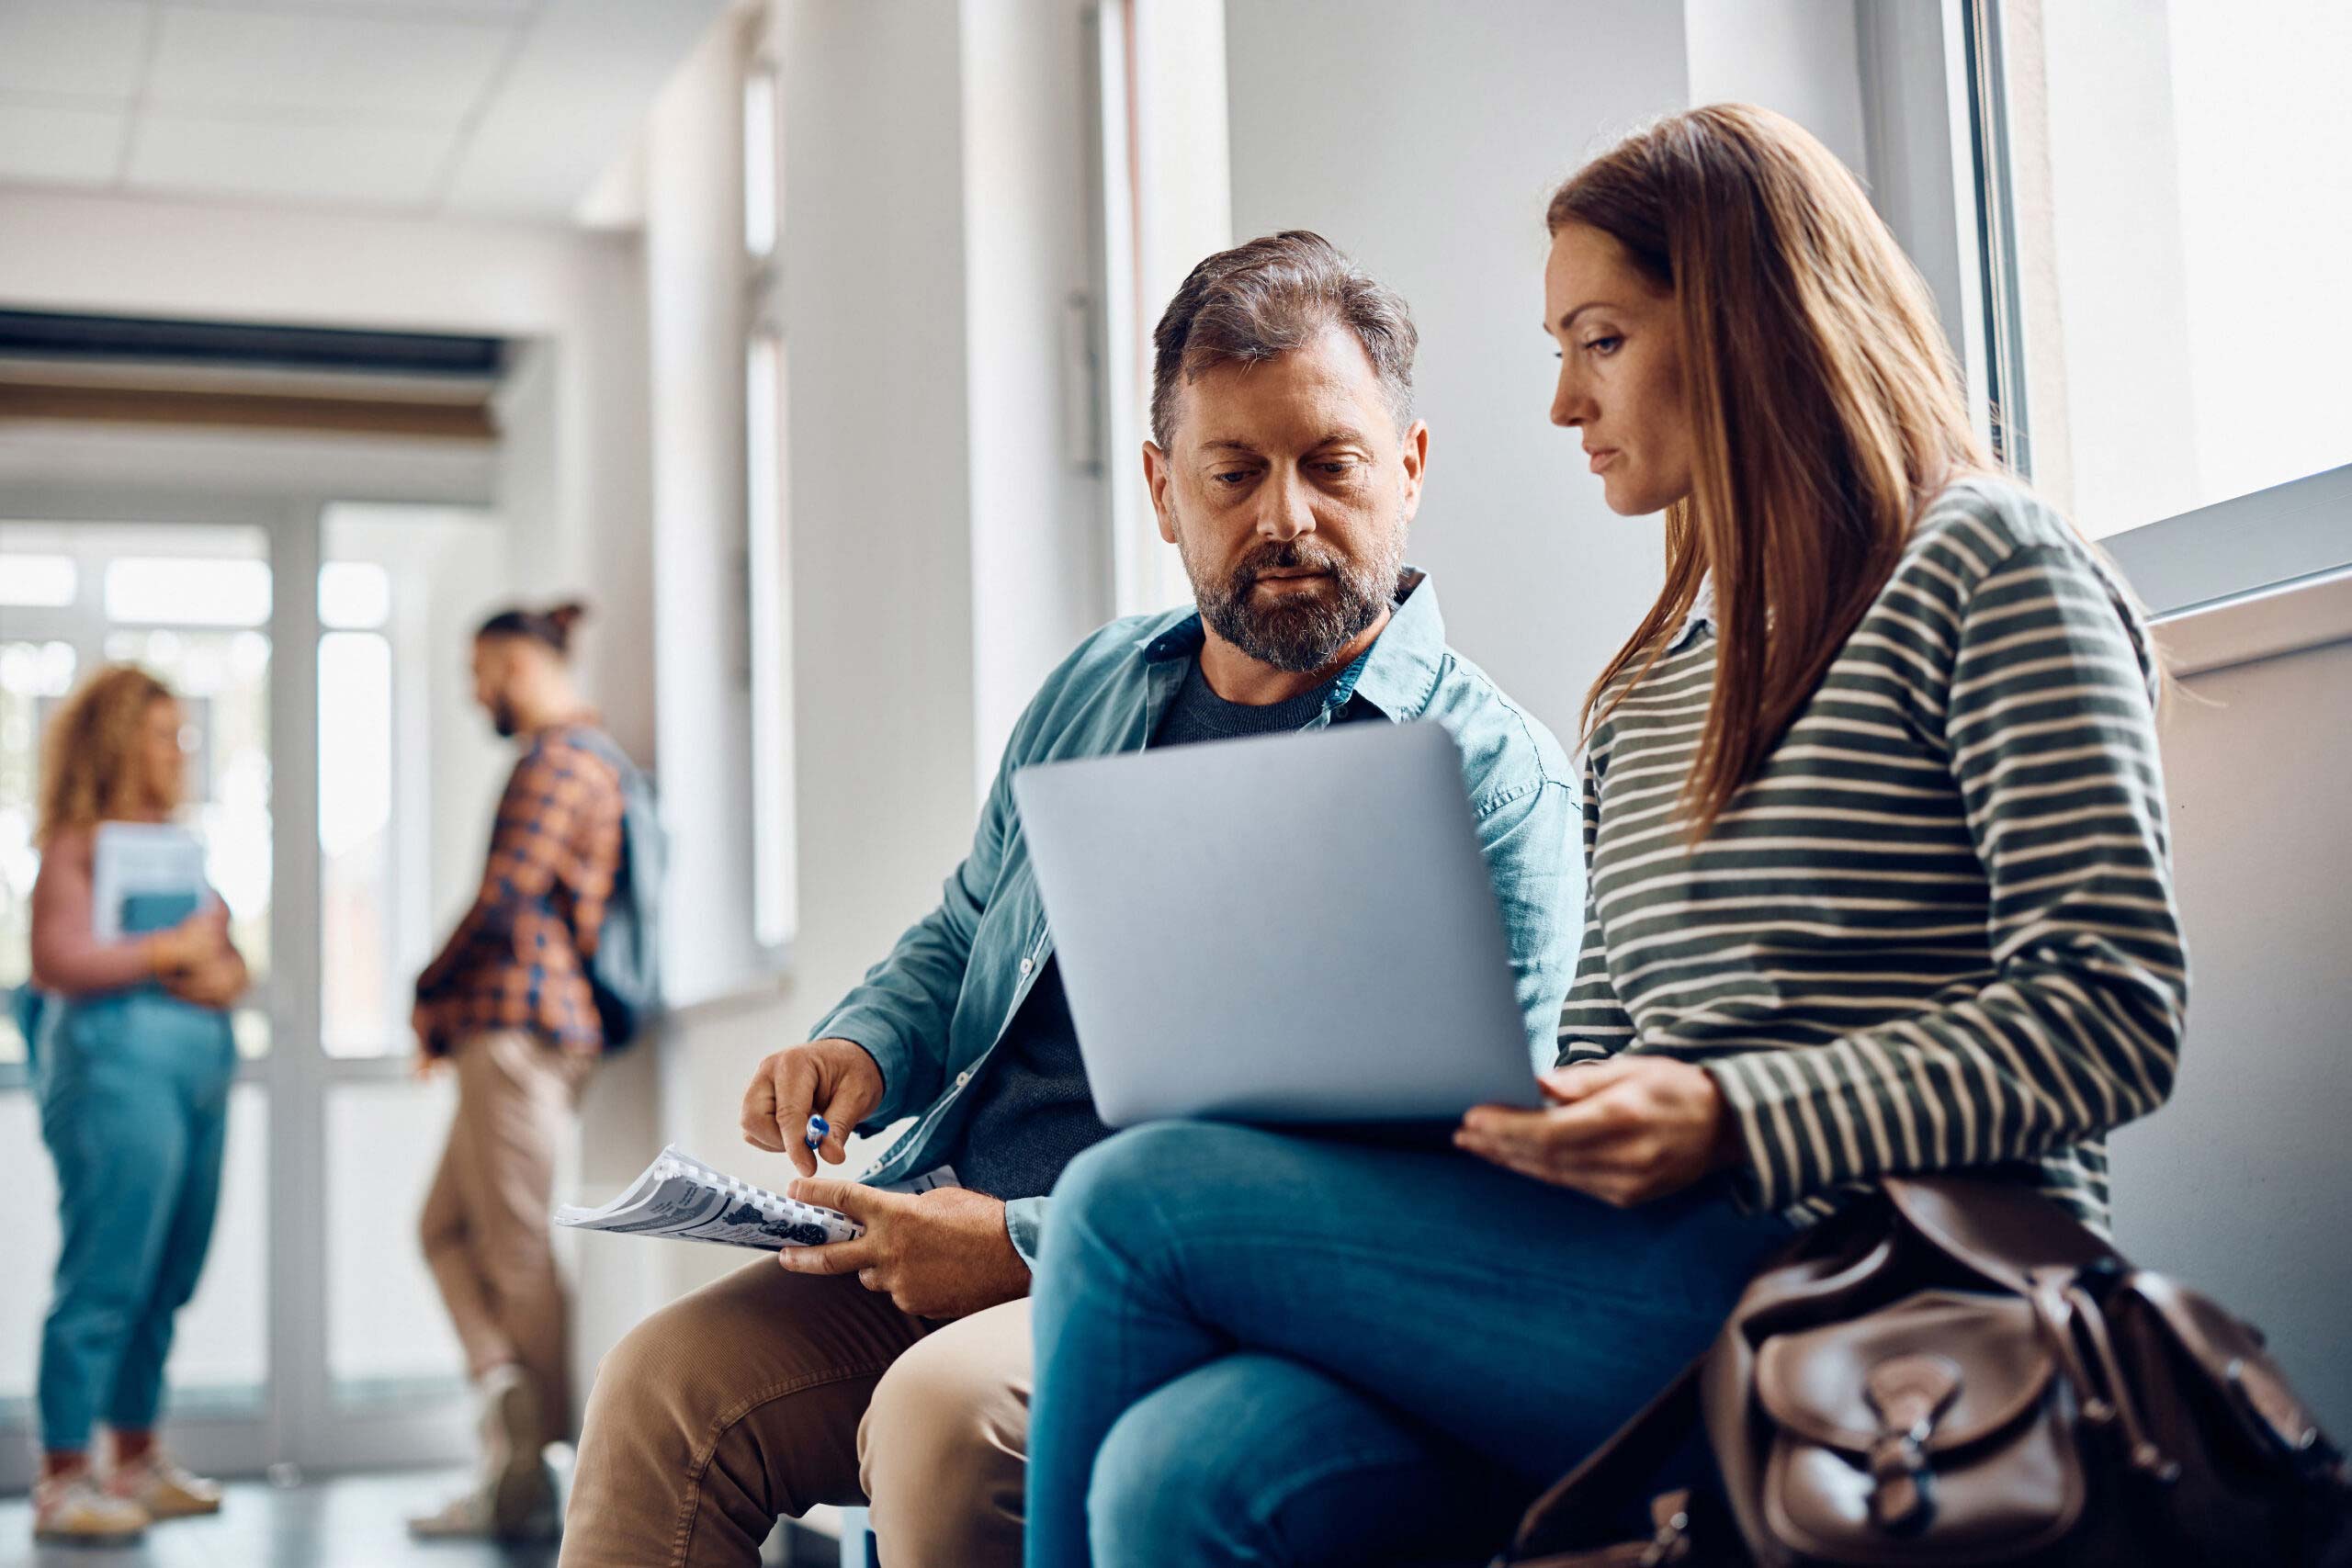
(1285, 465)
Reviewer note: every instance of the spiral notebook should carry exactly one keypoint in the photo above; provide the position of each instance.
(678, 1196)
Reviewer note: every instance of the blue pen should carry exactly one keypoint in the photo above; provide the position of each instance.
(818, 1130)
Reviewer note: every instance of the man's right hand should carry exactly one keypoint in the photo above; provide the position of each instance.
(834, 1078)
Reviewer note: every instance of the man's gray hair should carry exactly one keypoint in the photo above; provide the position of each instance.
(1267, 298)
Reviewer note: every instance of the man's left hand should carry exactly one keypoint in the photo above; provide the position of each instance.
(939, 1253)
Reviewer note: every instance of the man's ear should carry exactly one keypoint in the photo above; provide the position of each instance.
(1157, 474)
(1416, 459)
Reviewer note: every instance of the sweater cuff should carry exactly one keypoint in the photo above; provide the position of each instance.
(1750, 1093)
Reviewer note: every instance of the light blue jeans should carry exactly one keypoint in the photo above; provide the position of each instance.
(133, 1088)
(1263, 1348)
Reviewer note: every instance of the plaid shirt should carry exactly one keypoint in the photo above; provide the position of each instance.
(518, 960)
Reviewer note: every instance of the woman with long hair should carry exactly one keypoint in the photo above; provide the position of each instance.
(132, 1063)
(1877, 882)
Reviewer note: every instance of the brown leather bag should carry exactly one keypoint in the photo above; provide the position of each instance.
(1959, 1373)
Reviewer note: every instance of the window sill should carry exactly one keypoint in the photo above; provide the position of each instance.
(2262, 623)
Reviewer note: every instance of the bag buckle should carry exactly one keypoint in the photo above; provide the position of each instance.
(1908, 1392)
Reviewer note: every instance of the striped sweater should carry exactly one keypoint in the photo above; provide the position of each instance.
(1936, 928)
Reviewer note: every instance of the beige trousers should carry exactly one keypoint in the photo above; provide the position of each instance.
(766, 1393)
(484, 1227)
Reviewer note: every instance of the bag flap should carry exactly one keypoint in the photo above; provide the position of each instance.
(1818, 1383)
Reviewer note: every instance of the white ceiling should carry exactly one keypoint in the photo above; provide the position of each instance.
(505, 108)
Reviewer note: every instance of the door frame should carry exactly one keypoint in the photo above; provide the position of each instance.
(299, 1422)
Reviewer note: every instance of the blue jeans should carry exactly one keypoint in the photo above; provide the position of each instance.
(133, 1088)
(1263, 1348)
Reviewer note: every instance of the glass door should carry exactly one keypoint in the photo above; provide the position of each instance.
(315, 1339)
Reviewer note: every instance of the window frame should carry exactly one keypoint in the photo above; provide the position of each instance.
(1935, 117)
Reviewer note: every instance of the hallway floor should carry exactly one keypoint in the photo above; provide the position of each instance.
(349, 1521)
(356, 1521)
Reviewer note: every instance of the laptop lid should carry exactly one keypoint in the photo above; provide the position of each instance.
(1283, 928)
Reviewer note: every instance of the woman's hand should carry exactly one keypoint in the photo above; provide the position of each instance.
(194, 941)
(214, 983)
(1624, 1131)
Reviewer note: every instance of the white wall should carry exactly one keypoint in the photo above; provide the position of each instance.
(1376, 149)
(2240, 1186)
(694, 310)
(1040, 521)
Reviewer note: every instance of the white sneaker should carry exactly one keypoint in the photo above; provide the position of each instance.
(74, 1508)
(473, 1515)
(156, 1482)
(515, 1481)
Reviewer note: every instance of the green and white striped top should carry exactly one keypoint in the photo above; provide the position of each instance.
(1937, 929)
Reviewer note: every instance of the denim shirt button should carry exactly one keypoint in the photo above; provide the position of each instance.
(1027, 965)
(963, 1078)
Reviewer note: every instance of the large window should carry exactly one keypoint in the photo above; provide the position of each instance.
(766, 557)
(2166, 194)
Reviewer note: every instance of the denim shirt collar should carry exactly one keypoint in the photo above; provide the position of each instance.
(1397, 674)
(1699, 617)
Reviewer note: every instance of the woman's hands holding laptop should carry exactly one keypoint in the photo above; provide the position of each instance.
(834, 1078)
(1624, 1131)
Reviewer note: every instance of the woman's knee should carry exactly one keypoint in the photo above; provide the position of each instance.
(1123, 1180)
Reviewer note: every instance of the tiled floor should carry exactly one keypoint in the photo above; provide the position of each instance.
(345, 1522)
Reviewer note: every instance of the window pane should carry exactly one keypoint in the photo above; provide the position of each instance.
(759, 163)
(222, 680)
(37, 582)
(774, 895)
(2183, 187)
(354, 595)
(33, 677)
(361, 1012)
(388, 1336)
(197, 591)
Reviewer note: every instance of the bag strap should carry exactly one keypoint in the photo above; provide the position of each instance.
(1619, 1469)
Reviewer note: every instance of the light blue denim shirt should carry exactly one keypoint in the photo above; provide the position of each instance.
(932, 1011)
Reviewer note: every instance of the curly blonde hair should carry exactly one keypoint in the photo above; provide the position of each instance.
(88, 757)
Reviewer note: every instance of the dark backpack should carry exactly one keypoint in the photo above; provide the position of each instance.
(625, 972)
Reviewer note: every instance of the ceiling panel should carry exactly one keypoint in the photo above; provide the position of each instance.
(89, 47)
(76, 146)
(361, 165)
(459, 9)
(426, 69)
(593, 67)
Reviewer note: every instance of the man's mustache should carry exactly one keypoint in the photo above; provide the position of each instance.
(1288, 556)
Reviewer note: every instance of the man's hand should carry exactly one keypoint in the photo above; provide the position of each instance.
(1625, 1131)
(834, 1078)
(939, 1253)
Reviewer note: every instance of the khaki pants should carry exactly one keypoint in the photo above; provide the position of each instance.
(766, 1393)
(486, 1222)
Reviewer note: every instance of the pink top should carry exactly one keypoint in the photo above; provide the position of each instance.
(68, 958)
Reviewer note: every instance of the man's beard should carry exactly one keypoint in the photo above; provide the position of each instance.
(501, 718)
(1300, 631)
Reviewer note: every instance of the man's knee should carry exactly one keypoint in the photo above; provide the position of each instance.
(942, 1449)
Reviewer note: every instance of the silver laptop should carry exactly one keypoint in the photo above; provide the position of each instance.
(1286, 929)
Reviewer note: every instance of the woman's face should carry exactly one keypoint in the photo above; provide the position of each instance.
(1621, 370)
(162, 767)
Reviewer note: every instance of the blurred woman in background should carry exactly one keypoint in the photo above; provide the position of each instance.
(132, 1057)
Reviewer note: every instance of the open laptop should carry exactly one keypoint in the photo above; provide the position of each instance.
(1285, 929)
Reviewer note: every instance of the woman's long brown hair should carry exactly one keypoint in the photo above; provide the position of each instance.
(1826, 409)
(90, 767)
